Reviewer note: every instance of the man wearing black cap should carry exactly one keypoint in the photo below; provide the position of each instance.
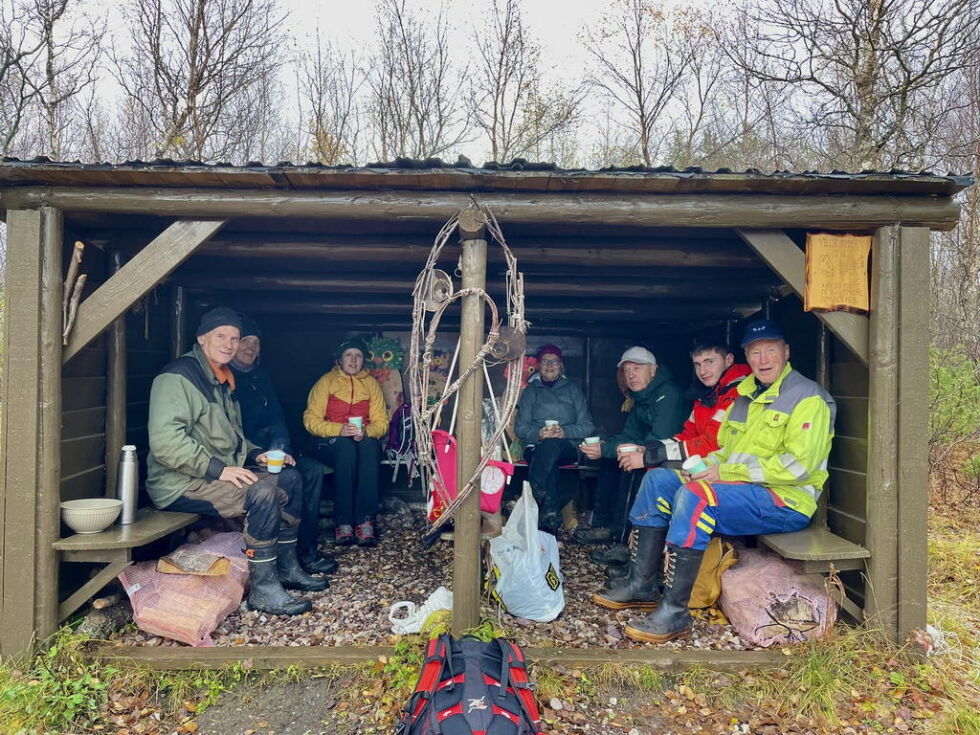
(265, 426)
(765, 477)
(198, 457)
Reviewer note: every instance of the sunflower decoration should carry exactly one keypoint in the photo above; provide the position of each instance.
(385, 359)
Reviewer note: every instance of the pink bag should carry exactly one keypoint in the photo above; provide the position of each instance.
(770, 603)
(187, 607)
(492, 479)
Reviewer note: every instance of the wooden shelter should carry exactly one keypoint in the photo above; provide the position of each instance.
(610, 257)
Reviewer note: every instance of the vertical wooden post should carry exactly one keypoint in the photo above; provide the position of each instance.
(913, 421)
(883, 490)
(115, 424)
(466, 543)
(178, 322)
(30, 461)
(823, 380)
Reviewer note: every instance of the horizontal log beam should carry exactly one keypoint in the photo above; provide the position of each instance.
(568, 210)
(789, 263)
(281, 657)
(135, 279)
(366, 283)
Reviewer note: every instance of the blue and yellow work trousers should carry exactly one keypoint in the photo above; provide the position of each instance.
(694, 511)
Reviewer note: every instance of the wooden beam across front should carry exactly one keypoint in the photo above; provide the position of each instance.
(175, 658)
(567, 209)
(788, 262)
(136, 278)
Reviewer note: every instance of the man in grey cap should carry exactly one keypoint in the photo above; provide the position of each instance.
(201, 462)
(658, 409)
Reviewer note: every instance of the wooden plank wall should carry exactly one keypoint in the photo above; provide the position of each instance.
(83, 414)
(147, 351)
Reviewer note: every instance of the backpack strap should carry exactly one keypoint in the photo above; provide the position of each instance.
(438, 655)
(514, 675)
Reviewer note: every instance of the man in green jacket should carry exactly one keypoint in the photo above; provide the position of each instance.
(658, 412)
(199, 462)
(765, 477)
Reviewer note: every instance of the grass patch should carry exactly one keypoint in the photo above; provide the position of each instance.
(954, 558)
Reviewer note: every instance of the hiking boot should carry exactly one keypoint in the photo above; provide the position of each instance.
(612, 554)
(617, 573)
(291, 574)
(343, 535)
(672, 619)
(589, 535)
(365, 533)
(322, 564)
(640, 589)
(266, 592)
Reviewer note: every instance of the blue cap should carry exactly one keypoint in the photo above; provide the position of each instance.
(761, 329)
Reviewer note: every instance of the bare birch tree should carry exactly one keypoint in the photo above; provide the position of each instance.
(415, 88)
(512, 106)
(330, 83)
(865, 66)
(192, 68)
(21, 44)
(640, 58)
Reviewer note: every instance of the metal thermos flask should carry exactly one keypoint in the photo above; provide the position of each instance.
(126, 483)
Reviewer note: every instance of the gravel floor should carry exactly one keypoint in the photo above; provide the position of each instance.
(354, 610)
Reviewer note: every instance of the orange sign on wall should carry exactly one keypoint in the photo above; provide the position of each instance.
(837, 273)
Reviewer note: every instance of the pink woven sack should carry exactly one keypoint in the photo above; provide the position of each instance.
(770, 603)
(187, 607)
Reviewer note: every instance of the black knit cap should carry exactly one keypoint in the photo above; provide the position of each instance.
(250, 328)
(353, 343)
(220, 316)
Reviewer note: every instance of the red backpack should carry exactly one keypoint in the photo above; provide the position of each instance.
(468, 687)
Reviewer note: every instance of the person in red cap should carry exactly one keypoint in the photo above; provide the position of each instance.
(552, 419)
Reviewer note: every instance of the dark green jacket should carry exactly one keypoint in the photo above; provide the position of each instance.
(658, 412)
(195, 429)
(563, 402)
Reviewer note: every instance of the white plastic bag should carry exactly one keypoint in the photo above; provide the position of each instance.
(406, 617)
(525, 563)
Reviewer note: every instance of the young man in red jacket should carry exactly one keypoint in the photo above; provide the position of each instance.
(716, 388)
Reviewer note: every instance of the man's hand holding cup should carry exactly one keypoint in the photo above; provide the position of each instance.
(591, 447)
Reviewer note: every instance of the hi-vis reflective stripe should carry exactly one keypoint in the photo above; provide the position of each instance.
(719, 415)
(706, 529)
(663, 505)
(709, 493)
(707, 519)
(794, 466)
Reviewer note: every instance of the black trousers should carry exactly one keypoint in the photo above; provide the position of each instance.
(544, 459)
(614, 494)
(356, 465)
(309, 525)
(272, 501)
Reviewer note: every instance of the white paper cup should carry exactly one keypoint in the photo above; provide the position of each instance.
(275, 459)
(550, 423)
(356, 421)
(628, 448)
(694, 465)
(591, 440)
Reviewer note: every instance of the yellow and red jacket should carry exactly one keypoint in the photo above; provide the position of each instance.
(336, 396)
(700, 432)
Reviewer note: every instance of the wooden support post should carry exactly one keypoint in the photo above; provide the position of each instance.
(178, 322)
(144, 271)
(781, 254)
(881, 538)
(913, 421)
(115, 420)
(30, 460)
(822, 378)
(466, 539)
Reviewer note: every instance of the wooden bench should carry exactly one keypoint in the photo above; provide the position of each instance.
(114, 548)
(820, 552)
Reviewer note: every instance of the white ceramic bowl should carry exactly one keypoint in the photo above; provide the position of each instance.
(90, 515)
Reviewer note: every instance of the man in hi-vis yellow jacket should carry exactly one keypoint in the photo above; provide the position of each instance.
(765, 478)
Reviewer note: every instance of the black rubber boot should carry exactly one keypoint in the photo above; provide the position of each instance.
(672, 619)
(321, 564)
(265, 591)
(641, 589)
(291, 574)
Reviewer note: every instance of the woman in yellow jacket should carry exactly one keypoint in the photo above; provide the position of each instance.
(346, 417)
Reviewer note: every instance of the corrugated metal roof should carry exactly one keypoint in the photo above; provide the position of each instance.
(435, 174)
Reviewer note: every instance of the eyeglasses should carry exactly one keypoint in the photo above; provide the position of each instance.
(549, 362)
